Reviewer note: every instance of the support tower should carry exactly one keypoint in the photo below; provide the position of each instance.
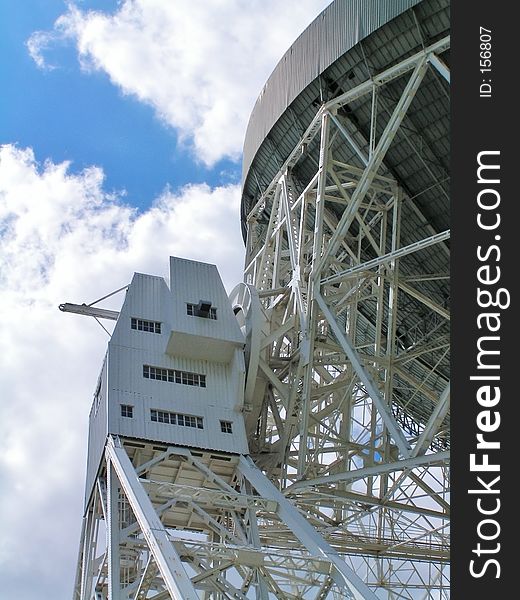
(292, 440)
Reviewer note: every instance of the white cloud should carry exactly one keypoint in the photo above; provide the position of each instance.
(201, 65)
(63, 238)
(37, 44)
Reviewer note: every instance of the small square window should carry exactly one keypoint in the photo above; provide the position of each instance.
(226, 426)
(202, 309)
(127, 411)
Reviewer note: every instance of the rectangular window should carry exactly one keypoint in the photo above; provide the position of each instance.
(163, 416)
(193, 311)
(174, 376)
(226, 427)
(143, 325)
(127, 411)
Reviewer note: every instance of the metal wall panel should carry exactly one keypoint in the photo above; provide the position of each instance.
(191, 281)
(123, 383)
(98, 429)
(335, 31)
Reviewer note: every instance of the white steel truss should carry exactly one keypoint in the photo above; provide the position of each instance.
(186, 524)
(332, 391)
(345, 493)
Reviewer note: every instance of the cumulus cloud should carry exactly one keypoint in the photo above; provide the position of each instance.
(64, 238)
(200, 65)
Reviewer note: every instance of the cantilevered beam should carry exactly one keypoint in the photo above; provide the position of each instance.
(89, 311)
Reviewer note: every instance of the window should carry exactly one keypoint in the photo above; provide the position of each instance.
(226, 426)
(206, 312)
(174, 376)
(163, 416)
(97, 397)
(142, 325)
(127, 411)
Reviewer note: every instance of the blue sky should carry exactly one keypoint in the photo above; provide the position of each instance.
(121, 129)
(65, 114)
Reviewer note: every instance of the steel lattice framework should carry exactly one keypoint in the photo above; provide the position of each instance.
(344, 309)
(331, 388)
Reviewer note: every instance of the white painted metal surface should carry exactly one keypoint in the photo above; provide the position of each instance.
(333, 282)
(237, 536)
(187, 344)
(322, 490)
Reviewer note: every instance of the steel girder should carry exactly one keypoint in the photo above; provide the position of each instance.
(347, 417)
(232, 534)
(346, 493)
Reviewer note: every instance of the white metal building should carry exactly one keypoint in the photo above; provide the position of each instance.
(292, 441)
(174, 372)
(168, 453)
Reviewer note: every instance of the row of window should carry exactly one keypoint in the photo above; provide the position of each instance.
(163, 416)
(172, 418)
(174, 376)
(143, 325)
